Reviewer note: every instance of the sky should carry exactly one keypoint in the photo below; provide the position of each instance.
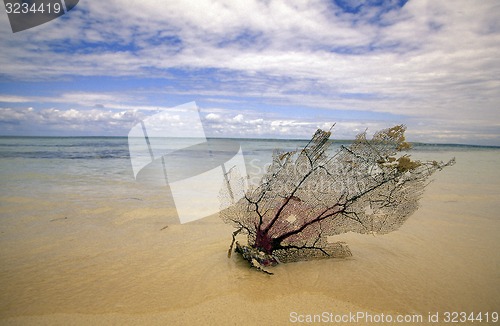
(258, 68)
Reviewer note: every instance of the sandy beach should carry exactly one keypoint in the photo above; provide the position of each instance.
(77, 258)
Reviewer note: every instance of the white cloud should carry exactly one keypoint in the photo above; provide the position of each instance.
(13, 99)
(212, 117)
(257, 124)
(239, 118)
(84, 122)
(434, 61)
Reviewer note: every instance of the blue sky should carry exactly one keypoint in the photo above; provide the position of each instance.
(258, 68)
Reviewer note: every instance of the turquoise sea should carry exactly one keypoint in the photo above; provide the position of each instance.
(99, 166)
(78, 169)
(102, 165)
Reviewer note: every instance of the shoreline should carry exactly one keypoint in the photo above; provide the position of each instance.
(114, 262)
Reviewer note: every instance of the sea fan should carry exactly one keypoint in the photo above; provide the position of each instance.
(306, 197)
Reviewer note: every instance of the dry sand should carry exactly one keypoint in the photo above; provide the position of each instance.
(65, 264)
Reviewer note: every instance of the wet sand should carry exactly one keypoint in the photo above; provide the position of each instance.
(110, 260)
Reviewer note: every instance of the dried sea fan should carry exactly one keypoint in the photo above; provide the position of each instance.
(307, 196)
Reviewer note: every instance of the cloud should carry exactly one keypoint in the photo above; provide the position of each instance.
(213, 117)
(73, 121)
(13, 99)
(421, 60)
(227, 123)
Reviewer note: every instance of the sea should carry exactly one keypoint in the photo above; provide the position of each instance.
(99, 166)
(87, 236)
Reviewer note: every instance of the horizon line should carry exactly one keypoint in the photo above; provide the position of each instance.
(258, 138)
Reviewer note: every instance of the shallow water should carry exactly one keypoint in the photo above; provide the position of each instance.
(82, 242)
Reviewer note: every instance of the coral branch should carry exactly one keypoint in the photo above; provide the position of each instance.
(307, 196)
